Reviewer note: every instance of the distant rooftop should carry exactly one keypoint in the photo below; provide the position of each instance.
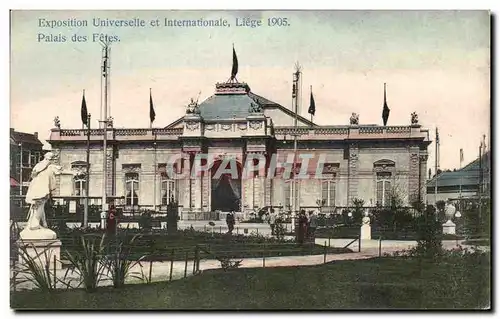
(24, 138)
(468, 175)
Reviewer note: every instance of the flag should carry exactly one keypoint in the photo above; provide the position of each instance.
(386, 110)
(461, 155)
(84, 112)
(105, 62)
(234, 70)
(312, 105)
(152, 114)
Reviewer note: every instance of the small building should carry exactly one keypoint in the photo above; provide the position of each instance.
(25, 152)
(463, 183)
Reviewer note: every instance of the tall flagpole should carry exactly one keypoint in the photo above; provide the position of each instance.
(86, 207)
(105, 73)
(480, 186)
(436, 161)
(295, 102)
(155, 170)
(461, 181)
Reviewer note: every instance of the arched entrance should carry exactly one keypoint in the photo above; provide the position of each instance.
(226, 188)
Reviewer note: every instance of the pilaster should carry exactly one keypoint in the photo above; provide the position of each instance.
(353, 182)
(423, 177)
(413, 176)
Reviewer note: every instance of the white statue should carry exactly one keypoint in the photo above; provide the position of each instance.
(449, 211)
(42, 185)
(366, 229)
(192, 107)
(366, 219)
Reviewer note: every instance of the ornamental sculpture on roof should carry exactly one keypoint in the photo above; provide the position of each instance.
(255, 107)
(57, 122)
(354, 119)
(414, 118)
(192, 107)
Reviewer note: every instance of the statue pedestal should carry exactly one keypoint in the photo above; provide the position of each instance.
(366, 232)
(449, 228)
(42, 251)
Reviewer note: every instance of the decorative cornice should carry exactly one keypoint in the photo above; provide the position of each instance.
(255, 125)
(131, 168)
(231, 88)
(192, 126)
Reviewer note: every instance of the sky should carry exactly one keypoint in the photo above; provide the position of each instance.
(435, 63)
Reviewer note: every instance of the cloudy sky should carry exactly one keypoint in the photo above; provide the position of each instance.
(434, 63)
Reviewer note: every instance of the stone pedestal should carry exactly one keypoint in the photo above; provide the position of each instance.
(40, 250)
(449, 228)
(366, 232)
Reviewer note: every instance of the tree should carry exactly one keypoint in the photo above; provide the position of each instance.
(357, 212)
(428, 234)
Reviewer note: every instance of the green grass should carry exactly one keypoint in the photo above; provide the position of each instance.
(376, 283)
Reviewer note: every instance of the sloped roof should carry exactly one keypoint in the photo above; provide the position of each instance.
(26, 138)
(468, 175)
(268, 103)
(225, 106)
(228, 105)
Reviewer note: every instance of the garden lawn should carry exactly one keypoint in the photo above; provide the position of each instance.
(375, 283)
(162, 246)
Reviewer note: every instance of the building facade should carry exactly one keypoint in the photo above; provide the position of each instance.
(25, 153)
(367, 162)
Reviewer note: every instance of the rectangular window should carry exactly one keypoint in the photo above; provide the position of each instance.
(79, 188)
(131, 189)
(168, 190)
(328, 192)
(384, 189)
(25, 158)
(33, 158)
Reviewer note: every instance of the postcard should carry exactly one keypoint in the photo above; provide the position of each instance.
(243, 160)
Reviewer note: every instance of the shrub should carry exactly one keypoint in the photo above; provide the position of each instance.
(428, 234)
(36, 269)
(279, 229)
(357, 212)
(119, 260)
(89, 260)
(228, 264)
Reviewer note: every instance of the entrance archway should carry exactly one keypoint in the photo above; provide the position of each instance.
(226, 189)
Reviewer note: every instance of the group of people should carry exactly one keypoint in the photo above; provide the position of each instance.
(307, 225)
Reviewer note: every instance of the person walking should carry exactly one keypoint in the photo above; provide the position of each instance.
(272, 221)
(112, 222)
(230, 221)
(302, 229)
(313, 224)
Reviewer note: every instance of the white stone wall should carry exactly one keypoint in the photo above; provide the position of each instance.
(309, 190)
(366, 175)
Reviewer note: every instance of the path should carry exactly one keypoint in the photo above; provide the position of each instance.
(161, 270)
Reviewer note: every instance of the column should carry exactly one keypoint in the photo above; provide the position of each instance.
(267, 192)
(423, 177)
(413, 177)
(187, 184)
(353, 180)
